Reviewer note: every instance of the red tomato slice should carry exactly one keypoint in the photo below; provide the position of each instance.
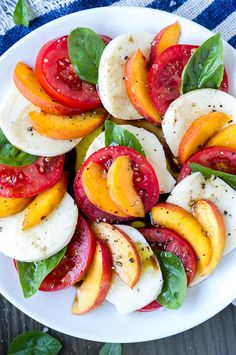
(164, 78)
(76, 261)
(216, 158)
(166, 239)
(30, 180)
(106, 39)
(144, 179)
(57, 77)
(153, 306)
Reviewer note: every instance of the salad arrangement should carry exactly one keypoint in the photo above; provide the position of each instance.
(140, 131)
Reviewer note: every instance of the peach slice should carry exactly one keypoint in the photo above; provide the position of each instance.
(136, 80)
(121, 188)
(224, 138)
(95, 186)
(43, 204)
(67, 127)
(97, 281)
(167, 37)
(200, 131)
(29, 86)
(182, 222)
(212, 221)
(125, 256)
(11, 206)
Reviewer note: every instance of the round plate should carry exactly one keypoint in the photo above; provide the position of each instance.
(104, 324)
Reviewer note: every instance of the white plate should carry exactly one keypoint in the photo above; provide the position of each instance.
(104, 324)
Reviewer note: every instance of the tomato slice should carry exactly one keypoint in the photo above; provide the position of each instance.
(106, 39)
(30, 180)
(166, 239)
(57, 77)
(144, 180)
(164, 78)
(217, 158)
(153, 306)
(76, 261)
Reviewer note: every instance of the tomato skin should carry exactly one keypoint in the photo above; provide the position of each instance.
(76, 261)
(168, 240)
(216, 158)
(57, 77)
(32, 179)
(164, 78)
(144, 179)
(153, 306)
(106, 39)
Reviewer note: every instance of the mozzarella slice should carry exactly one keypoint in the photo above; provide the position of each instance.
(153, 150)
(42, 240)
(17, 127)
(150, 283)
(111, 83)
(188, 107)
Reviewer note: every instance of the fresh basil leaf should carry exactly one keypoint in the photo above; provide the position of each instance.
(21, 13)
(32, 274)
(34, 343)
(85, 50)
(175, 280)
(117, 135)
(230, 179)
(205, 68)
(111, 349)
(10, 155)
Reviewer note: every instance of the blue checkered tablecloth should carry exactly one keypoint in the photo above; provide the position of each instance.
(216, 15)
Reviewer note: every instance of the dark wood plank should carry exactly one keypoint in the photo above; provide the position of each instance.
(214, 337)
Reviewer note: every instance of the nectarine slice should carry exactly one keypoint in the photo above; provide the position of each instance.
(167, 37)
(11, 206)
(43, 204)
(27, 83)
(212, 221)
(224, 138)
(121, 187)
(182, 222)
(136, 80)
(125, 256)
(199, 133)
(95, 186)
(67, 127)
(97, 281)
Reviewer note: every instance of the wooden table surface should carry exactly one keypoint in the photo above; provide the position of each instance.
(214, 337)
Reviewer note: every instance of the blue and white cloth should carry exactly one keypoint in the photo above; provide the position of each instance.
(216, 15)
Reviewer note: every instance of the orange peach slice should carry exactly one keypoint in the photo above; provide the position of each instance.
(125, 256)
(212, 221)
(27, 83)
(11, 206)
(167, 37)
(199, 133)
(97, 281)
(95, 186)
(182, 222)
(67, 127)
(136, 80)
(224, 138)
(43, 204)
(121, 188)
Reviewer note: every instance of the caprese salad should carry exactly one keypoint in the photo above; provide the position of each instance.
(141, 132)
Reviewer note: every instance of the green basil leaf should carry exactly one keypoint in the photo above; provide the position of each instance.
(175, 280)
(34, 343)
(10, 155)
(32, 274)
(85, 50)
(111, 349)
(205, 68)
(21, 13)
(230, 179)
(117, 135)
